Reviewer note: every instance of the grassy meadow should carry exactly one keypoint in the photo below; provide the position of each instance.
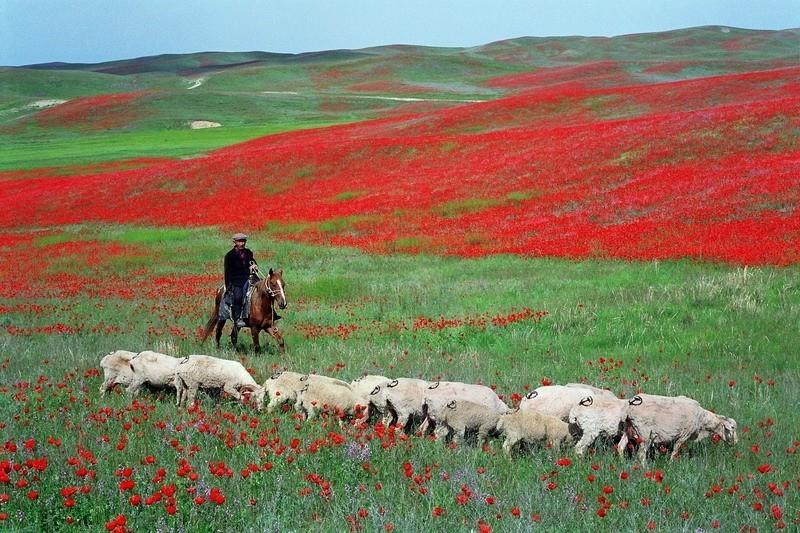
(721, 334)
(676, 144)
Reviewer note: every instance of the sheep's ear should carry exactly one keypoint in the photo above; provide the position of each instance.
(280, 272)
(431, 387)
(375, 391)
(276, 374)
(452, 404)
(271, 273)
(532, 394)
(636, 400)
(586, 401)
(393, 383)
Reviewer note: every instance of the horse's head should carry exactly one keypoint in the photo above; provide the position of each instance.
(275, 287)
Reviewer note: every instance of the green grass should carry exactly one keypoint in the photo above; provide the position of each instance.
(76, 149)
(677, 327)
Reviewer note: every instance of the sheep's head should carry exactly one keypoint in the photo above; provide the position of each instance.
(256, 393)
(728, 429)
(377, 398)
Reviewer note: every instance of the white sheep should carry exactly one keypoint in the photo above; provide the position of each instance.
(600, 416)
(439, 394)
(557, 400)
(282, 387)
(364, 385)
(205, 372)
(529, 427)
(458, 416)
(116, 370)
(674, 420)
(325, 396)
(401, 399)
(154, 369)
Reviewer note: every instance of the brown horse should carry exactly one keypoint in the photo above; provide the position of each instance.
(267, 293)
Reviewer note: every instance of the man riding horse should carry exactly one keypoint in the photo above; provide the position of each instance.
(257, 310)
(237, 276)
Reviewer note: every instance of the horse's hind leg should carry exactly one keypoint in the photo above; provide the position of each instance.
(220, 325)
(277, 336)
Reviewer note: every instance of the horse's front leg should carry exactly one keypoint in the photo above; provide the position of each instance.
(277, 336)
(218, 336)
(256, 346)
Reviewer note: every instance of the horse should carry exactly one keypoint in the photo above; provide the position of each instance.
(267, 293)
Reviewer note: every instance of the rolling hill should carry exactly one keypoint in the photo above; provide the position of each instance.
(680, 144)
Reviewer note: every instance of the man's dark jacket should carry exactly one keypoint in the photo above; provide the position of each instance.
(237, 267)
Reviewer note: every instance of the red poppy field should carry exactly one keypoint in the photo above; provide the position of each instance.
(623, 224)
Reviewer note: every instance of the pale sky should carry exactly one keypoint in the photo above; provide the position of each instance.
(89, 31)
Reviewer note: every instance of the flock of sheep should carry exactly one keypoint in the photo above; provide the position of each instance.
(554, 413)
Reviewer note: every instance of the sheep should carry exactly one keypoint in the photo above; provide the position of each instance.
(202, 371)
(530, 426)
(116, 370)
(282, 387)
(322, 395)
(557, 400)
(363, 386)
(438, 394)
(401, 399)
(654, 419)
(599, 416)
(458, 416)
(152, 368)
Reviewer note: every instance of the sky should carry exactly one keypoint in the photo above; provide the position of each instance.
(90, 31)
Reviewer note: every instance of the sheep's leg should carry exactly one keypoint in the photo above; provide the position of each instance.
(272, 405)
(644, 447)
(483, 435)
(440, 432)
(508, 445)
(586, 440)
(191, 394)
(678, 443)
(179, 391)
(622, 444)
(423, 428)
(136, 384)
(458, 434)
(310, 411)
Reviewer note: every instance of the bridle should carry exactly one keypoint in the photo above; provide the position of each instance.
(272, 292)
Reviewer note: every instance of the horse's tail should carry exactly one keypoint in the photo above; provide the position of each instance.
(212, 320)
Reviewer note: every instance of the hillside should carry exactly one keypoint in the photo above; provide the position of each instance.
(703, 168)
(251, 94)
